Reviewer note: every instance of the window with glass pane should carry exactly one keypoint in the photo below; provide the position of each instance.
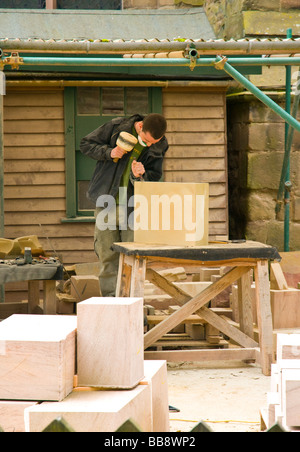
(88, 101)
(137, 101)
(89, 4)
(96, 106)
(113, 101)
(83, 203)
(63, 4)
(23, 4)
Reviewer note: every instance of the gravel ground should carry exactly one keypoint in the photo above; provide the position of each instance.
(228, 396)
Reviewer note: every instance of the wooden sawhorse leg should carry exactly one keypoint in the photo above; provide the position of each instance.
(245, 304)
(264, 315)
(131, 276)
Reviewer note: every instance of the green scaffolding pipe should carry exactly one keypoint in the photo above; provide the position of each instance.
(288, 82)
(73, 61)
(255, 61)
(156, 61)
(257, 93)
(98, 61)
(285, 165)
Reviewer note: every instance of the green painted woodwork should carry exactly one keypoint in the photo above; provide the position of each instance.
(276, 428)
(78, 166)
(59, 425)
(69, 108)
(129, 426)
(201, 427)
(89, 4)
(23, 4)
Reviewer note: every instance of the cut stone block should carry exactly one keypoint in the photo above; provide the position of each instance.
(84, 287)
(110, 342)
(274, 377)
(273, 399)
(207, 273)
(285, 306)
(156, 376)
(95, 411)
(37, 357)
(291, 397)
(288, 346)
(171, 213)
(12, 415)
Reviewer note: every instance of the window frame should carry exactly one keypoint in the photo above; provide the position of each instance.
(72, 215)
(56, 5)
(84, 6)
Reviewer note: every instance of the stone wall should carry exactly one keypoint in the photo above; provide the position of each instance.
(161, 4)
(228, 17)
(255, 157)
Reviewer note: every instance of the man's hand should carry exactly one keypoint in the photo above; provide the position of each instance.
(117, 152)
(137, 168)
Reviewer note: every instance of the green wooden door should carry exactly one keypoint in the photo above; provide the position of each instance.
(86, 109)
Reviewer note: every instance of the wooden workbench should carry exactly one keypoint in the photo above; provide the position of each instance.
(137, 263)
(49, 273)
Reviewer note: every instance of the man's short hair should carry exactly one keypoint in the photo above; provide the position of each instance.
(155, 124)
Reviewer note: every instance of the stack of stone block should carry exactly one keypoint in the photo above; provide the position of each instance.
(283, 400)
(88, 369)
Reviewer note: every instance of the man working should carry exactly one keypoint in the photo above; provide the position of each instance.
(115, 173)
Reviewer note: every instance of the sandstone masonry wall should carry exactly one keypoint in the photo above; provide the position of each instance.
(161, 4)
(228, 20)
(255, 157)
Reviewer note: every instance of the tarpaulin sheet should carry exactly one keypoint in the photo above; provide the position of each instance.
(30, 272)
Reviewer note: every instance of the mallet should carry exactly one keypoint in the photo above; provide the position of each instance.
(126, 141)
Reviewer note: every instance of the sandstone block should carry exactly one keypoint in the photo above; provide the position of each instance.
(264, 170)
(37, 357)
(95, 411)
(84, 287)
(110, 341)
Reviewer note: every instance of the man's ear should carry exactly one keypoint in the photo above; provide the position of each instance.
(139, 126)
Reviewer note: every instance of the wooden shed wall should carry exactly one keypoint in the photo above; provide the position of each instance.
(34, 166)
(198, 146)
(34, 178)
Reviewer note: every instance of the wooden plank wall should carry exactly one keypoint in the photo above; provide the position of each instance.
(34, 166)
(198, 146)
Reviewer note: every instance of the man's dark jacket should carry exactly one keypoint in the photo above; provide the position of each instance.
(107, 175)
